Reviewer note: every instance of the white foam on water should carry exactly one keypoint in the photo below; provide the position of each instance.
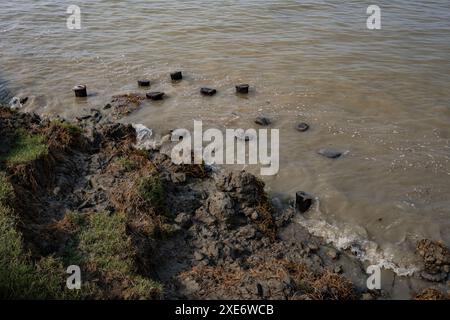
(355, 239)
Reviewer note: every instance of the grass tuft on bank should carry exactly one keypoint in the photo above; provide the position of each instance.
(20, 277)
(104, 250)
(25, 148)
(152, 191)
(98, 243)
(6, 189)
(71, 128)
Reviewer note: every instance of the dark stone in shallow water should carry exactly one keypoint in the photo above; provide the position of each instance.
(263, 121)
(144, 83)
(155, 95)
(330, 153)
(302, 127)
(80, 91)
(208, 91)
(242, 88)
(303, 201)
(176, 76)
(23, 100)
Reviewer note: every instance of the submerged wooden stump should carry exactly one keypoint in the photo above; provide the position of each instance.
(176, 76)
(80, 91)
(144, 83)
(208, 91)
(242, 88)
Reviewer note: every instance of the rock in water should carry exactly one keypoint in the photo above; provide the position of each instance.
(302, 127)
(80, 91)
(330, 153)
(303, 201)
(263, 121)
(242, 88)
(208, 91)
(176, 76)
(144, 83)
(155, 95)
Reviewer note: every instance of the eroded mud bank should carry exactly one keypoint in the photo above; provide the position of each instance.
(140, 227)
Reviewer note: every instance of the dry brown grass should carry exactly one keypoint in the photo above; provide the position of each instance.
(307, 284)
(63, 135)
(431, 294)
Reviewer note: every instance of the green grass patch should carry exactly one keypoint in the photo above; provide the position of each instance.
(20, 278)
(104, 249)
(101, 248)
(26, 148)
(105, 243)
(71, 128)
(76, 219)
(99, 244)
(142, 288)
(151, 189)
(6, 189)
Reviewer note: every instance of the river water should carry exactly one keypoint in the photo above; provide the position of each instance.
(380, 95)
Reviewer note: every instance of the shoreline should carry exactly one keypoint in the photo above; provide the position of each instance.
(219, 236)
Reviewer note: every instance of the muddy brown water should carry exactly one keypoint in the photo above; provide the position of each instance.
(380, 96)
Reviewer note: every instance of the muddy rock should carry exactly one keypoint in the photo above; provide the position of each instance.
(178, 177)
(303, 201)
(330, 153)
(436, 259)
(221, 205)
(184, 220)
(333, 254)
(434, 277)
(247, 232)
(312, 247)
(338, 269)
(263, 121)
(198, 256)
(302, 127)
(156, 95)
(123, 105)
(367, 296)
(23, 100)
(242, 185)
